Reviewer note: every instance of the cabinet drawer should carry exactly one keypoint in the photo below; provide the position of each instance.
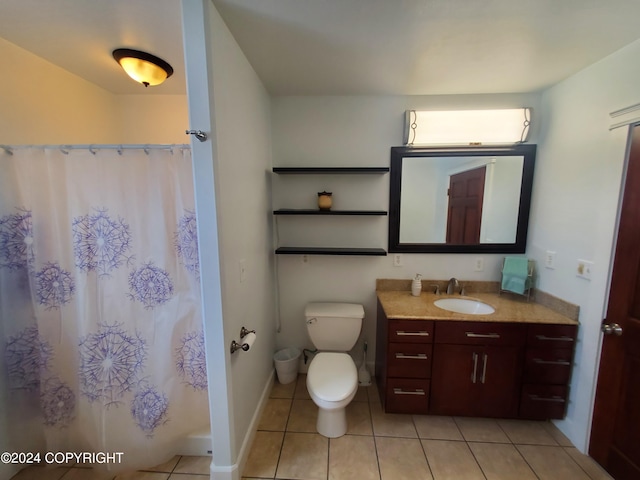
(411, 331)
(409, 360)
(551, 336)
(480, 333)
(407, 396)
(540, 402)
(548, 365)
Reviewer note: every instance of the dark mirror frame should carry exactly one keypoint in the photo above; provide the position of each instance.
(398, 153)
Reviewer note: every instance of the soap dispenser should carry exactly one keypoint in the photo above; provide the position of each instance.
(416, 285)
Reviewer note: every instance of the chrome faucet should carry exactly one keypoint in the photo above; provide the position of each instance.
(451, 286)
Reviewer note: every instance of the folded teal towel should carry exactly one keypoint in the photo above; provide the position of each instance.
(515, 274)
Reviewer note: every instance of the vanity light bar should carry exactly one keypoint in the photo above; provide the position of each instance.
(466, 127)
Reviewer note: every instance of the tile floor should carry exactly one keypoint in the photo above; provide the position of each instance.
(381, 446)
(378, 446)
(178, 468)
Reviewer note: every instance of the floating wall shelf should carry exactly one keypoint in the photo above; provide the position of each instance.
(329, 170)
(295, 211)
(371, 252)
(379, 252)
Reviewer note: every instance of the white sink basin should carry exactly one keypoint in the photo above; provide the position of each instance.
(468, 306)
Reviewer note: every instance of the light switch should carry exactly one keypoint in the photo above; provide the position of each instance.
(550, 259)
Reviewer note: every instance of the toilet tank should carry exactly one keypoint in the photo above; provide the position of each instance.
(334, 326)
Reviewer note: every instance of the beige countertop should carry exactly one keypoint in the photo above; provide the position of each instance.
(400, 304)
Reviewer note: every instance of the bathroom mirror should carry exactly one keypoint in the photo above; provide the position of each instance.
(460, 200)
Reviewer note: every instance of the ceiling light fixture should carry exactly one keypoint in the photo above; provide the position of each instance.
(467, 127)
(143, 67)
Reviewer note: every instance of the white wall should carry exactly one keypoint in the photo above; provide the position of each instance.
(501, 201)
(352, 131)
(144, 118)
(575, 203)
(41, 103)
(241, 168)
(421, 199)
(242, 111)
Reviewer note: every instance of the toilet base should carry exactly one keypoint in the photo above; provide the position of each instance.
(332, 423)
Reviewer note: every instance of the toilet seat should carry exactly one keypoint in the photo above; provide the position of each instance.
(332, 377)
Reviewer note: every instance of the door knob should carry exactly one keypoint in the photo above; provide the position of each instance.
(611, 328)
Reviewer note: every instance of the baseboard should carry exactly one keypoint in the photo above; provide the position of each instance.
(233, 472)
(253, 427)
(224, 473)
(199, 443)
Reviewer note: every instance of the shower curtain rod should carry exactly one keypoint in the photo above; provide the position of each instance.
(91, 147)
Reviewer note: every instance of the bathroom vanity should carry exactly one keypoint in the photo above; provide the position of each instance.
(513, 363)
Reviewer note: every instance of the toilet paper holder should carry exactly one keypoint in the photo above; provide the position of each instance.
(245, 346)
(244, 332)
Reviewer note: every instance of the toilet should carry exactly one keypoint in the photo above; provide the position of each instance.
(332, 378)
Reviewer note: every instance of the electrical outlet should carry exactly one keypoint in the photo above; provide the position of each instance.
(479, 264)
(550, 259)
(305, 259)
(397, 259)
(584, 269)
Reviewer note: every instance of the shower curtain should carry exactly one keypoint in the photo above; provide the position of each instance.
(101, 328)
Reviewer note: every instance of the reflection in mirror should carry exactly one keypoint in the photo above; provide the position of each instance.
(487, 188)
(471, 199)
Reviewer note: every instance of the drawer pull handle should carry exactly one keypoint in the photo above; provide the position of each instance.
(417, 391)
(402, 333)
(484, 368)
(551, 362)
(554, 339)
(537, 398)
(482, 335)
(420, 356)
(474, 358)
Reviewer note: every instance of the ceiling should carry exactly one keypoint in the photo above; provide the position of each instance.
(79, 36)
(340, 47)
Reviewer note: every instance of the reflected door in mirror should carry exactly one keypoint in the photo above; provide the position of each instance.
(466, 191)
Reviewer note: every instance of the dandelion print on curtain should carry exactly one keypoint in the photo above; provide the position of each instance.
(101, 335)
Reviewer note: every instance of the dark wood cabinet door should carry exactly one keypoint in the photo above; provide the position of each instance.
(499, 375)
(471, 380)
(455, 380)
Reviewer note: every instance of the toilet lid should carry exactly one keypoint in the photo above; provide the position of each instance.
(332, 376)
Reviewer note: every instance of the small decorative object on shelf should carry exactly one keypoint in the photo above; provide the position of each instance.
(324, 200)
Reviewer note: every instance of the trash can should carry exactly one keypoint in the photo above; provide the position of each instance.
(287, 364)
